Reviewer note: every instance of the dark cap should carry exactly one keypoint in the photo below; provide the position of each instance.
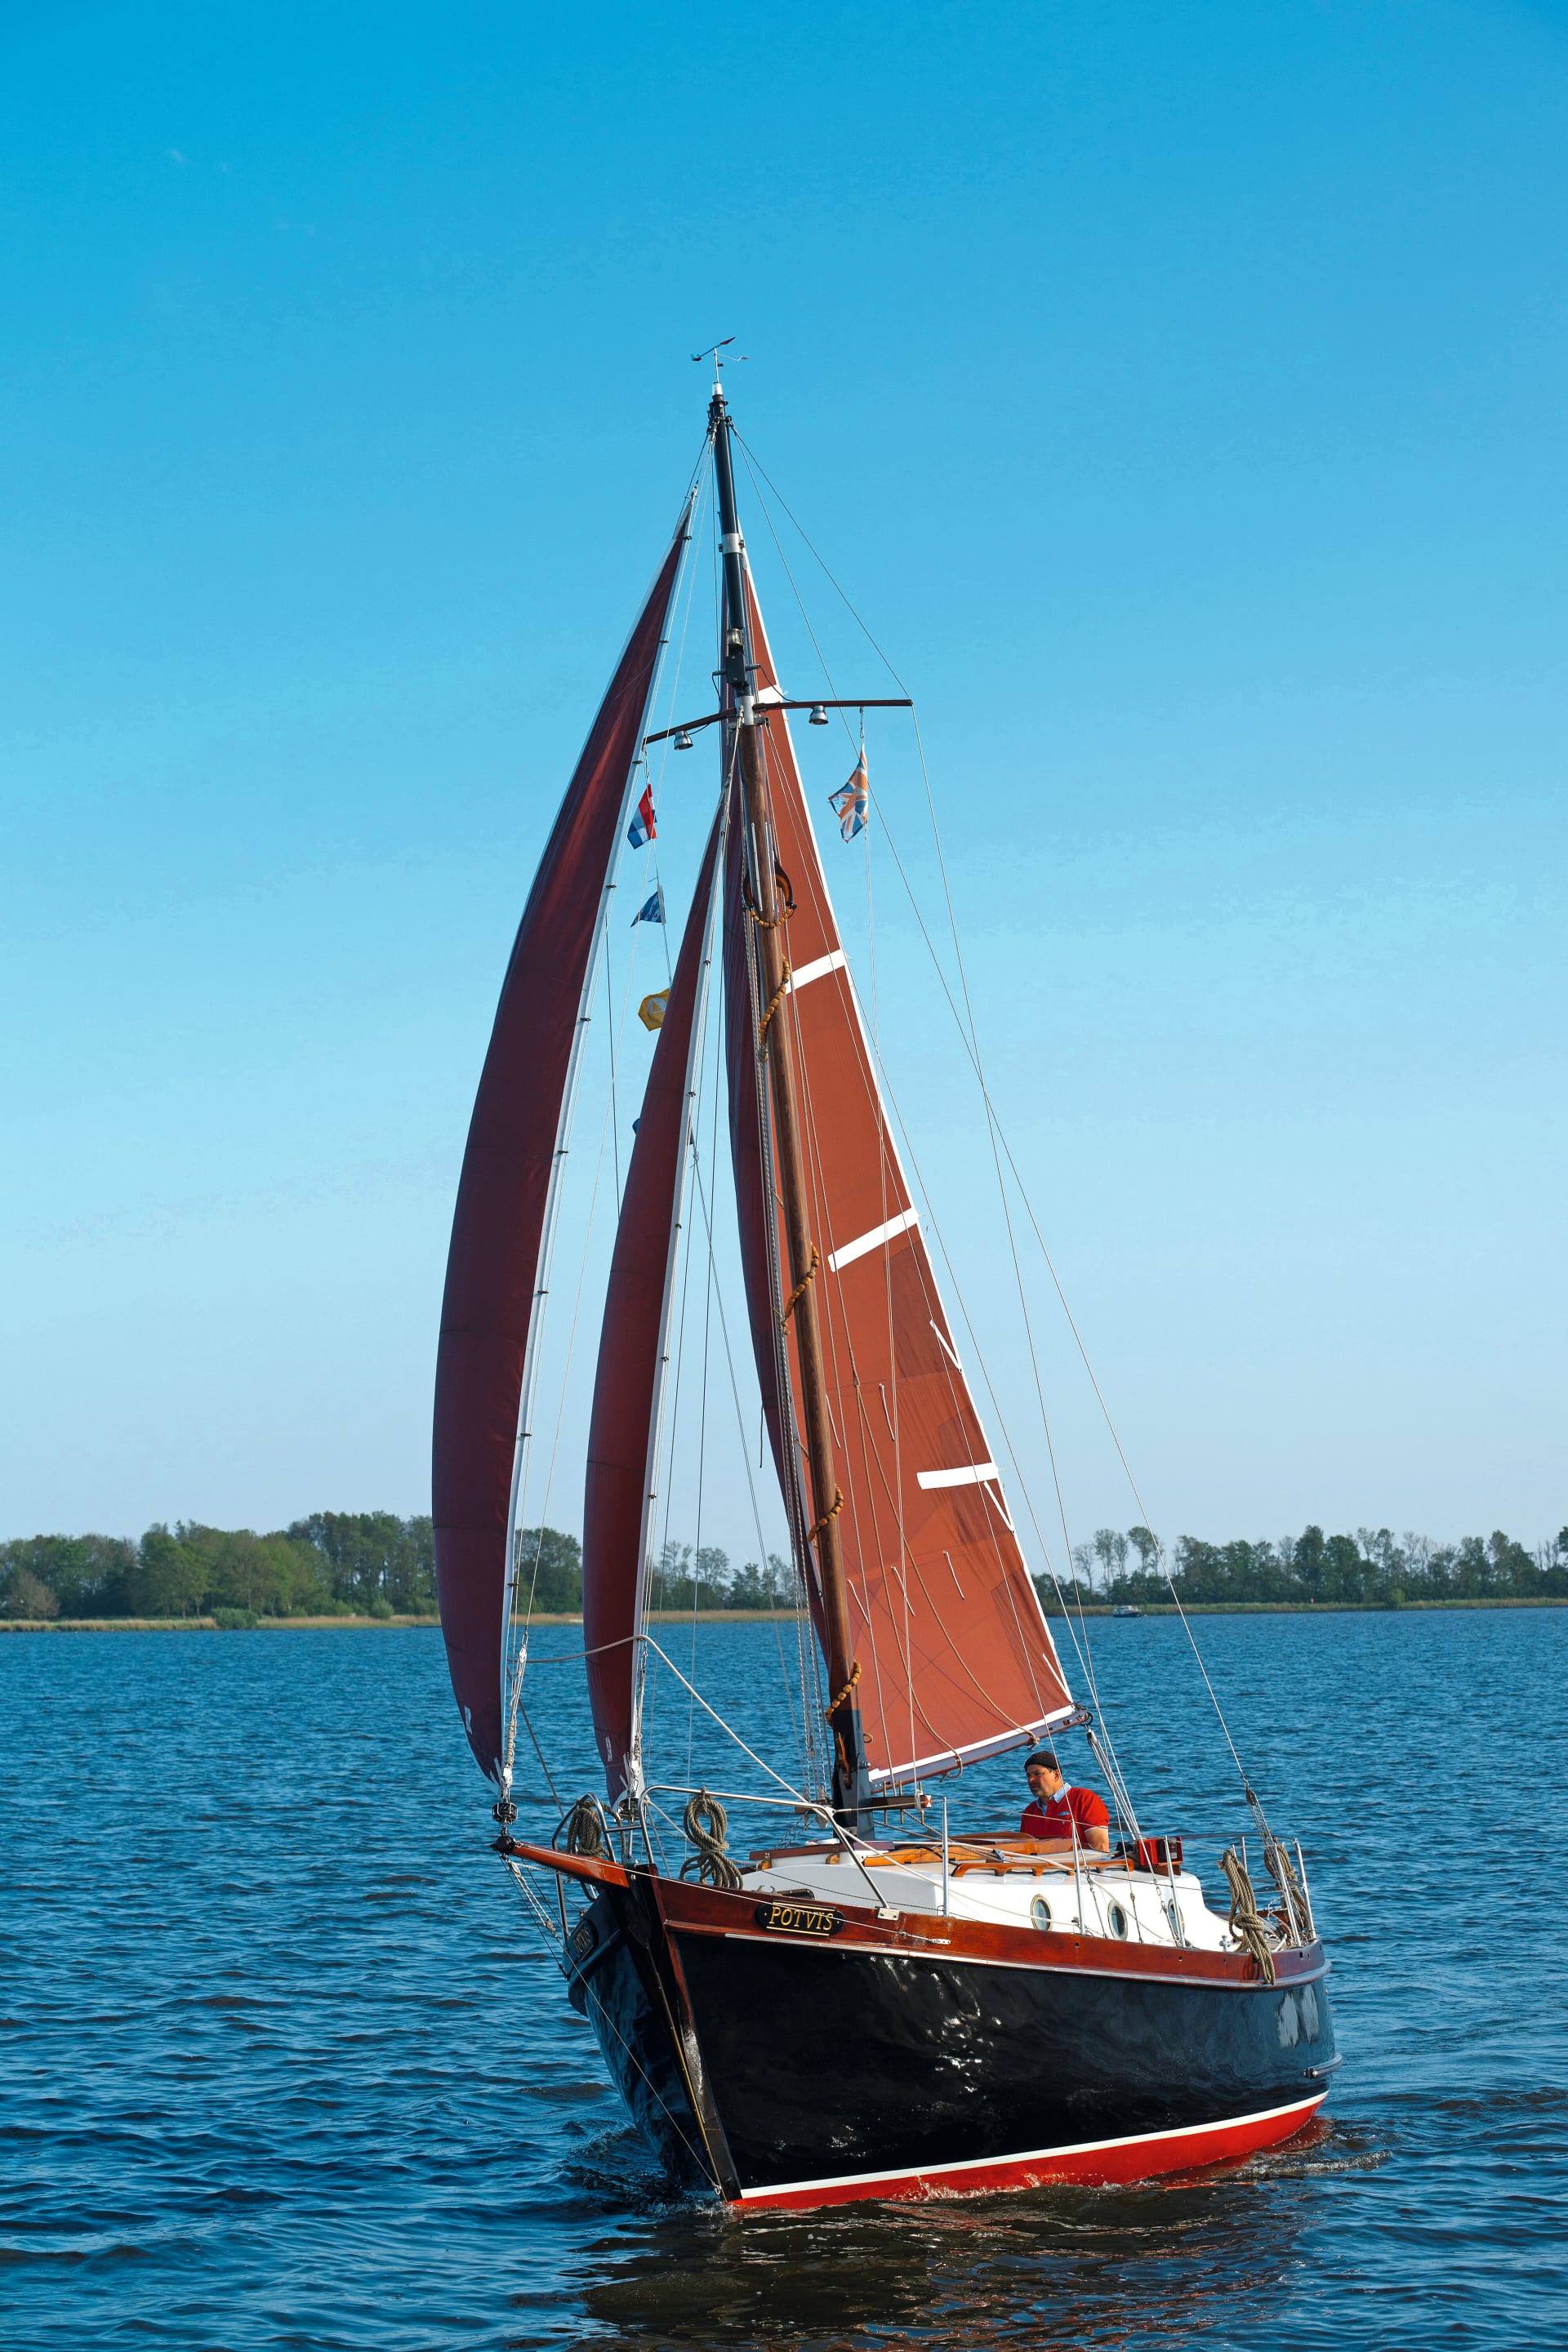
(1042, 1755)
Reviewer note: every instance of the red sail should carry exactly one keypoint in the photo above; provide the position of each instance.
(945, 1623)
(499, 1229)
(633, 1350)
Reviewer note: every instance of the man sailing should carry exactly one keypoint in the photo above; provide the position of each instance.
(1060, 1815)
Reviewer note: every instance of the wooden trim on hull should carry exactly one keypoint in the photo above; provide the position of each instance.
(1096, 2164)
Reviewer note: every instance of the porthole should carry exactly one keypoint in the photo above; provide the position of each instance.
(1117, 1920)
(1173, 1914)
(1040, 1912)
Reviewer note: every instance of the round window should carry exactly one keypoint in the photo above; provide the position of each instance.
(1173, 1914)
(1040, 1912)
(1117, 1920)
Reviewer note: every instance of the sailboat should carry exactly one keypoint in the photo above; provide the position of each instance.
(865, 2003)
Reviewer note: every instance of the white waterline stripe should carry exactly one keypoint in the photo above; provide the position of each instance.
(817, 970)
(975, 1474)
(889, 1232)
(1035, 2155)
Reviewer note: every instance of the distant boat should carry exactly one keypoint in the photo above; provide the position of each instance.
(855, 2008)
(1127, 1609)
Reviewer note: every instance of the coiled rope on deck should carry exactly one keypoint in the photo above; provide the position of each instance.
(707, 1826)
(1246, 1921)
(582, 1831)
(1292, 1894)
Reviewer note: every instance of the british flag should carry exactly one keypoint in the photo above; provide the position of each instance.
(849, 803)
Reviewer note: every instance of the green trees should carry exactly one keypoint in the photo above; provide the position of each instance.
(1318, 1570)
(341, 1563)
(551, 1569)
(333, 1563)
(330, 1565)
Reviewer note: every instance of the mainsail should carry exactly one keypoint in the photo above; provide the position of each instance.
(954, 1655)
(517, 1138)
(633, 1351)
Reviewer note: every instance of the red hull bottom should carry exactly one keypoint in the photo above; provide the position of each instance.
(1096, 2164)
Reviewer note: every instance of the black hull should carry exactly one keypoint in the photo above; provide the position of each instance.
(760, 2063)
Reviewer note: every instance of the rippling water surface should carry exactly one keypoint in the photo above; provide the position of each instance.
(281, 2063)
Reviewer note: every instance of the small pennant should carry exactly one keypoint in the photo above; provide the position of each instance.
(651, 910)
(651, 1010)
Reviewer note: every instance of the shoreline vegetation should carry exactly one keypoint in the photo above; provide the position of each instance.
(372, 1568)
(735, 1616)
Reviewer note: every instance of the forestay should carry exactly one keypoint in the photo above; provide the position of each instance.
(955, 1657)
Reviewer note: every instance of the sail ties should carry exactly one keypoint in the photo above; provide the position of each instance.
(831, 1513)
(1246, 1921)
(791, 1303)
(847, 1692)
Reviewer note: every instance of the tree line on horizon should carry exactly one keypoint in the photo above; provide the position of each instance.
(373, 1563)
(332, 1564)
(1313, 1569)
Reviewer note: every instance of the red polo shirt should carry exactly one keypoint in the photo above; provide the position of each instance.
(1055, 1819)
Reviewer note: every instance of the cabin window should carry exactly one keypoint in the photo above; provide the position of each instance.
(1117, 1920)
(1040, 1912)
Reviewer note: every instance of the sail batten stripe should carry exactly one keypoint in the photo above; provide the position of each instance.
(817, 970)
(973, 1474)
(873, 1240)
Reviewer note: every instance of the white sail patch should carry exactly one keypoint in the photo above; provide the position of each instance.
(817, 970)
(873, 1240)
(973, 1474)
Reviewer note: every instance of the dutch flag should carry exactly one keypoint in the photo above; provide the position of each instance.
(642, 829)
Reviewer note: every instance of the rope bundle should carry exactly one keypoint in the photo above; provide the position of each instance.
(1292, 1894)
(583, 1832)
(706, 1824)
(1246, 1922)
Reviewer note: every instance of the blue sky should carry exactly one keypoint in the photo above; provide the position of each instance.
(1178, 392)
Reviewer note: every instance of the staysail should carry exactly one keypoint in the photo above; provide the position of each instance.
(634, 1346)
(954, 1654)
(516, 1138)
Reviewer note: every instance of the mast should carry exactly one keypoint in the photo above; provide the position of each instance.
(851, 1782)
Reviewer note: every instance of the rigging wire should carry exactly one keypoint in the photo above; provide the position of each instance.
(755, 468)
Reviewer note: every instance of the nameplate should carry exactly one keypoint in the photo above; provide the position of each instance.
(800, 1918)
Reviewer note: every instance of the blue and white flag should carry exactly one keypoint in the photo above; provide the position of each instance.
(651, 910)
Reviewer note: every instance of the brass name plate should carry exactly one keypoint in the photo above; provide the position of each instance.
(800, 1918)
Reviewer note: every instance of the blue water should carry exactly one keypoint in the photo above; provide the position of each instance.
(281, 2065)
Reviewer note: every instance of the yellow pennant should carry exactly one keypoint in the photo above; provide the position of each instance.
(650, 1011)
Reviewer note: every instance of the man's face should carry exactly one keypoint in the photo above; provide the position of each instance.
(1043, 1782)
